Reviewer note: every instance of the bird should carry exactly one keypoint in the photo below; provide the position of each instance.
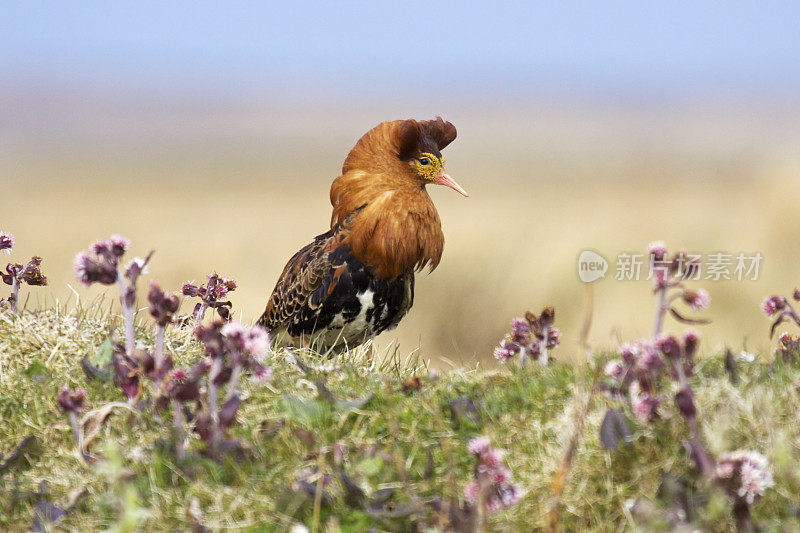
(357, 279)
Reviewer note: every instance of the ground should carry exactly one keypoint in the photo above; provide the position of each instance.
(383, 435)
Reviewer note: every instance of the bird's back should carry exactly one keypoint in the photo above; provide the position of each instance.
(326, 296)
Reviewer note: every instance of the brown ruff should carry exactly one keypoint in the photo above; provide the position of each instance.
(395, 227)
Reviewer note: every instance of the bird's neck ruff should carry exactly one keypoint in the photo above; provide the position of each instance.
(394, 230)
(392, 223)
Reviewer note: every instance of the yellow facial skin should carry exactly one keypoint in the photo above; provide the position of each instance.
(428, 171)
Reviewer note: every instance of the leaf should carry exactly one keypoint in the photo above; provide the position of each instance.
(429, 466)
(37, 371)
(680, 318)
(325, 394)
(46, 513)
(614, 429)
(464, 409)
(730, 367)
(353, 495)
(300, 408)
(357, 403)
(93, 372)
(304, 436)
(22, 456)
(105, 354)
(371, 466)
(227, 413)
(781, 318)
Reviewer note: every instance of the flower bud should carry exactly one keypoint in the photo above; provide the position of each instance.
(669, 347)
(71, 402)
(684, 399)
(6, 242)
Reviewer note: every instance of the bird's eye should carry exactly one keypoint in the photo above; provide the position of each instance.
(425, 161)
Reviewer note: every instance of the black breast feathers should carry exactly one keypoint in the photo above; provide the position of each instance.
(327, 297)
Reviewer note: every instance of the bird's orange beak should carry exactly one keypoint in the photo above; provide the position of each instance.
(444, 179)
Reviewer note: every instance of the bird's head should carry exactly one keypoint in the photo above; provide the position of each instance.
(419, 145)
(404, 152)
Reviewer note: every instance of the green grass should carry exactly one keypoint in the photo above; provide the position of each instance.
(529, 412)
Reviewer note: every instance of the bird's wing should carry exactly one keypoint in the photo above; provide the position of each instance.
(296, 296)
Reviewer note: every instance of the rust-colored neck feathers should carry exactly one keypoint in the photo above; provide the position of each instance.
(392, 223)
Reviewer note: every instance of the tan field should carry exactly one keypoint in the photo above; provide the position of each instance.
(239, 189)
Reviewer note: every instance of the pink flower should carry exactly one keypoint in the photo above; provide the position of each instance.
(492, 457)
(753, 469)
(520, 331)
(262, 375)
(773, 304)
(471, 492)
(189, 289)
(553, 337)
(90, 270)
(698, 300)
(233, 330)
(615, 369)
(658, 249)
(490, 476)
(506, 350)
(119, 245)
(725, 469)
(644, 406)
(256, 342)
(6, 242)
(479, 445)
(630, 352)
(500, 475)
(649, 361)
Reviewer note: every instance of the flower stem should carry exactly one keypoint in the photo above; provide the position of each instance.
(200, 314)
(661, 310)
(177, 420)
(127, 315)
(76, 431)
(704, 462)
(14, 295)
(236, 373)
(213, 406)
(543, 345)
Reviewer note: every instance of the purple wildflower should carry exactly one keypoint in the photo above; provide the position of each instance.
(644, 405)
(553, 337)
(615, 369)
(658, 250)
(668, 345)
(262, 375)
(520, 331)
(749, 468)
(71, 402)
(691, 339)
(90, 270)
(479, 445)
(773, 304)
(6, 242)
(506, 350)
(697, 300)
(491, 476)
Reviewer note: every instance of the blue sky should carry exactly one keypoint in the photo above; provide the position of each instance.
(624, 44)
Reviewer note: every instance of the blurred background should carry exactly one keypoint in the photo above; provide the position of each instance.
(211, 134)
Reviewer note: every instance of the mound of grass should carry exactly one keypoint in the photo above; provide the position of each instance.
(382, 451)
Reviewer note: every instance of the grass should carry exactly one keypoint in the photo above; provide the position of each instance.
(411, 441)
